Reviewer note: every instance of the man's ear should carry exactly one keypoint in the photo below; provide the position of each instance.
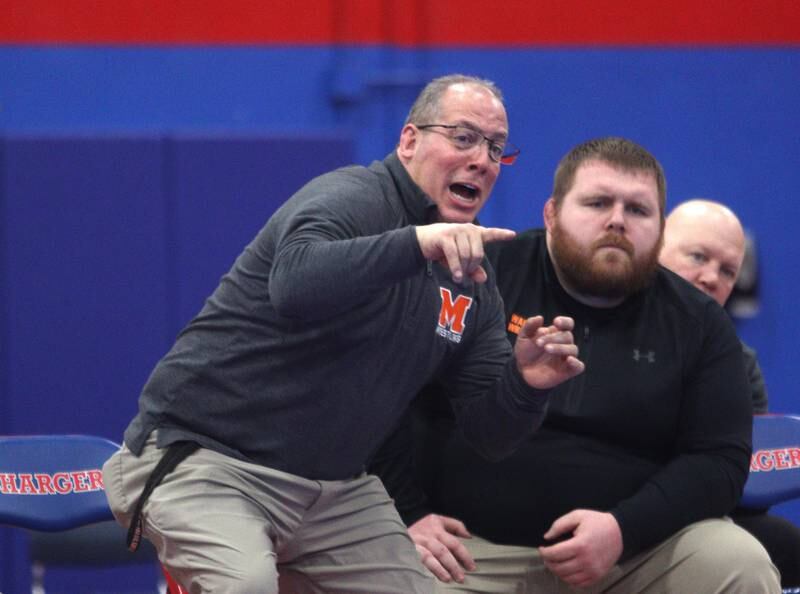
(409, 137)
(549, 214)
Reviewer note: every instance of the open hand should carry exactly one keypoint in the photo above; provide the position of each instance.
(547, 355)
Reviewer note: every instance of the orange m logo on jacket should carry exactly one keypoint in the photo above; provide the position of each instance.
(453, 313)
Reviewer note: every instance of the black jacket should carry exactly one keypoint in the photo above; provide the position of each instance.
(657, 430)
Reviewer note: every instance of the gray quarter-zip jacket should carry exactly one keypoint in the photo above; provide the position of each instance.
(312, 346)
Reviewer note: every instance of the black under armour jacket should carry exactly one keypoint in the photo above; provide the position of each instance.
(657, 430)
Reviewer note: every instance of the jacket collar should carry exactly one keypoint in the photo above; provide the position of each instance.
(420, 207)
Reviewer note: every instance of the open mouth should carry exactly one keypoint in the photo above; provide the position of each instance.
(466, 192)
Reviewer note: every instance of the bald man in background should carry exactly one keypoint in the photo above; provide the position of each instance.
(704, 243)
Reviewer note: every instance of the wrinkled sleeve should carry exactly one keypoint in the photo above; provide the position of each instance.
(395, 465)
(706, 475)
(333, 248)
(494, 407)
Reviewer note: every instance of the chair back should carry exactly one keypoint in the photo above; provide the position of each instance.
(53, 482)
(775, 463)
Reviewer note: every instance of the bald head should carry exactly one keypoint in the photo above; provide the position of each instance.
(704, 243)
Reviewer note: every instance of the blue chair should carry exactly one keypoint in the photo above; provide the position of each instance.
(775, 464)
(53, 486)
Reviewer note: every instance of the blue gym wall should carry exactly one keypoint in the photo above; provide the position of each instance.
(131, 176)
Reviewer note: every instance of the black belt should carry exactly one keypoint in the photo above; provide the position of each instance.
(174, 454)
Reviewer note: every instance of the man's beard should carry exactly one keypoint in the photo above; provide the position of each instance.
(611, 274)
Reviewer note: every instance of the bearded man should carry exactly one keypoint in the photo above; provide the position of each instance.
(626, 486)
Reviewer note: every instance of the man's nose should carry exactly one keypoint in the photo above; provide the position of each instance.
(479, 157)
(709, 277)
(616, 218)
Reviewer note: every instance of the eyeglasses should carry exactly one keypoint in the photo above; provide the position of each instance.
(464, 138)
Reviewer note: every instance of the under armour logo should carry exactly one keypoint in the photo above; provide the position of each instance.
(650, 356)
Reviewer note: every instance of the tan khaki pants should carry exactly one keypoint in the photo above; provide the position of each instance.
(709, 557)
(225, 526)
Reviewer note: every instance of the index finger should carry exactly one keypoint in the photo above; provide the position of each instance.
(490, 234)
(564, 524)
(456, 527)
(557, 553)
(531, 326)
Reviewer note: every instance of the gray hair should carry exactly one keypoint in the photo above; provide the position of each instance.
(426, 107)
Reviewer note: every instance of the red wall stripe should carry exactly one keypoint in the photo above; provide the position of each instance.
(402, 22)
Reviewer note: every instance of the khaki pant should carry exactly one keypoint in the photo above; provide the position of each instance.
(709, 557)
(225, 526)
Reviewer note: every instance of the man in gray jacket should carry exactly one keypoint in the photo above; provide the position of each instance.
(245, 463)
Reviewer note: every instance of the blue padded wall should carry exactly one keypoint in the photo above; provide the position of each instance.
(86, 279)
(222, 190)
(723, 120)
(110, 245)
